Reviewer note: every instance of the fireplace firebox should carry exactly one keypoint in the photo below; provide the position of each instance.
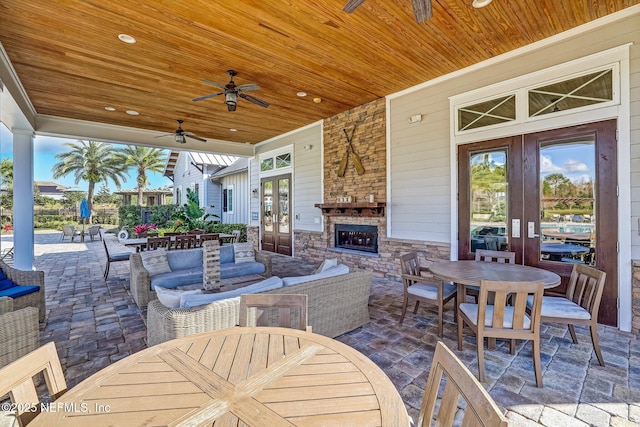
(357, 237)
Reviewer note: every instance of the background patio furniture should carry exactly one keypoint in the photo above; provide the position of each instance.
(579, 306)
(27, 278)
(7, 253)
(480, 409)
(94, 231)
(19, 331)
(16, 379)
(69, 231)
(498, 320)
(115, 251)
(283, 310)
(427, 288)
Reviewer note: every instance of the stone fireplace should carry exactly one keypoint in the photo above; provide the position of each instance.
(358, 202)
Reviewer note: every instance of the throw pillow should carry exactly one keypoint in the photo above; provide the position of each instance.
(6, 284)
(327, 263)
(155, 262)
(171, 297)
(244, 252)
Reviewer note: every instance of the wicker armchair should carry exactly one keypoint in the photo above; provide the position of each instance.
(19, 333)
(26, 278)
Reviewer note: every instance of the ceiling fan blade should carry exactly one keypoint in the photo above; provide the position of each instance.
(162, 136)
(213, 83)
(352, 5)
(247, 87)
(422, 10)
(192, 136)
(207, 96)
(254, 100)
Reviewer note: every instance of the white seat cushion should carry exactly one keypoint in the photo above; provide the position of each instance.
(430, 291)
(560, 307)
(471, 311)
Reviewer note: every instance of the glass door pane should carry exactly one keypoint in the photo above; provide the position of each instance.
(488, 200)
(283, 206)
(567, 202)
(267, 203)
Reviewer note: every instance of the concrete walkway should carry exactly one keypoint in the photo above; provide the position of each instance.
(94, 323)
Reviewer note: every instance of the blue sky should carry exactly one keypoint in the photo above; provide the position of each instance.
(46, 149)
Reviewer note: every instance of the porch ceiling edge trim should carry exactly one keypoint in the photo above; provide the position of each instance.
(14, 87)
(81, 129)
(589, 26)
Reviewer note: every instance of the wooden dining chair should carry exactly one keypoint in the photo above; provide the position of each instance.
(579, 306)
(283, 310)
(486, 255)
(154, 243)
(499, 320)
(208, 236)
(16, 379)
(480, 409)
(423, 288)
(184, 242)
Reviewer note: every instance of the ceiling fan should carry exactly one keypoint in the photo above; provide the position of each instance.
(421, 8)
(179, 135)
(231, 92)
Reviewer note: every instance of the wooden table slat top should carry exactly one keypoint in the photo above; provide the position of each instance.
(471, 273)
(242, 376)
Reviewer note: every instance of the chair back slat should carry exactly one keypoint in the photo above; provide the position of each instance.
(495, 256)
(585, 287)
(480, 409)
(154, 243)
(518, 291)
(410, 264)
(16, 379)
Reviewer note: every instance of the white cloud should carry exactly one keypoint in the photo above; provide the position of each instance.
(547, 166)
(575, 166)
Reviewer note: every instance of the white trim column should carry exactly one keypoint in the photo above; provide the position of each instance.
(23, 220)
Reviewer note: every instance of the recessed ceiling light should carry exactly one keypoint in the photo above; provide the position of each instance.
(132, 113)
(233, 130)
(480, 3)
(317, 100)
(110, 108)
(127, 38)
(301, 94)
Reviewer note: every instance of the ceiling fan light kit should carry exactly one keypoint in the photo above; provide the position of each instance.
(231, 92)
(180, 136)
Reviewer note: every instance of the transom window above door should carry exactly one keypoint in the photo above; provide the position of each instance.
(584, 91)
(592, 88)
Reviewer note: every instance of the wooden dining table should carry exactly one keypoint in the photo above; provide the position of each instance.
(471, 273)
(141, 242)
(236, 376)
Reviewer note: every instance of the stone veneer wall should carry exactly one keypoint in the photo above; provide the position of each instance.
(369, 142)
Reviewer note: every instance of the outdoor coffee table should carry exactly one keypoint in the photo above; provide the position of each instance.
(256, 376)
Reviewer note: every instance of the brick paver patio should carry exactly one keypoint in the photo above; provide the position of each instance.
(94, 323)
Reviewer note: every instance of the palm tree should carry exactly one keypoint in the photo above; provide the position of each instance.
(143, 159)
(90, 161)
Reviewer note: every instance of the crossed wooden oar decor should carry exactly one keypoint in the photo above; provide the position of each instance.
(357, 163)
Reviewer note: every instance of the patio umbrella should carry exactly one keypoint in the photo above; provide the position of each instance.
(84, 212)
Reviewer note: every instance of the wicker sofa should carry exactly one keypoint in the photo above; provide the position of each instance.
(337, 305)
(141, 280)
(19, 331)
(27, 278)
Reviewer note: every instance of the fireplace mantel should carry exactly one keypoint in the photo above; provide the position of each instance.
(375, 209)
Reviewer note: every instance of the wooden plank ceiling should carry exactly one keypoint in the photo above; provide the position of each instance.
(71, 63)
